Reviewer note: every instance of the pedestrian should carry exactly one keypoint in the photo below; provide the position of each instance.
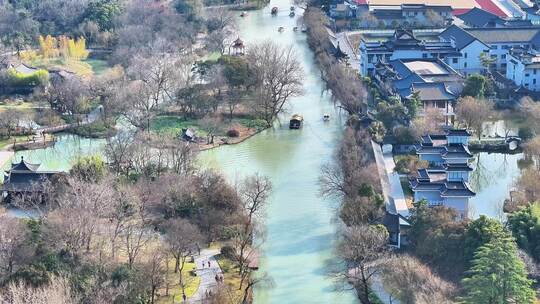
(208, 264)
(221, 279)
(217, 278)
(198, 248)
(184, 297)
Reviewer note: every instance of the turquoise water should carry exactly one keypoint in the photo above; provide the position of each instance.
(300, 225)
(492, 180)
(65, 151)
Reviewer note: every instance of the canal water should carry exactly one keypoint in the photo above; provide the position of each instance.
(300, 224)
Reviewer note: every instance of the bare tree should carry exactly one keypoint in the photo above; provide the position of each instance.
(222, 26)
(73, 224)
(136, 233)
(68, 96)
(255, 192)
(119, 153)
(212, 125)
(429, 123)
(57, 291)
(154, 269)
(182, 238)
(473, 113)
(413, 282)
(12, 241)
(278, 77)
(363, 250)
(531, 111)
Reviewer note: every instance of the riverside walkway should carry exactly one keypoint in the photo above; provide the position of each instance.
(207, 274)
(391, 185)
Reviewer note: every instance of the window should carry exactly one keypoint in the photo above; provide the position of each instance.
(527, 74)
(534, 81)
(454, 60)
(465, 65)
(503, 56)
(534, 71)
(465, 55)
(494, 47)
(424, 55)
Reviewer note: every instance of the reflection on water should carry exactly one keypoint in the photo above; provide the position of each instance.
(500, 128)
(492, 180)
(66, 150)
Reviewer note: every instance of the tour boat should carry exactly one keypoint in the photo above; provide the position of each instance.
(281, 29)
(296, 121)
(274, 10)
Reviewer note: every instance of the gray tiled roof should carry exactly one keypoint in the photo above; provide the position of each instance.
(459, 35)
(478, 17)
(457, 189)
(511, 35)
(433, 91)
(458, 167)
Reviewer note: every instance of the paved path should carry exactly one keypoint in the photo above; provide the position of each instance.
(5, 157)
(391, 185)
(207, 274)
(396, 191)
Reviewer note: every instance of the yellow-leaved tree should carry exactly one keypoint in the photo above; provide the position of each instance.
(48, 47)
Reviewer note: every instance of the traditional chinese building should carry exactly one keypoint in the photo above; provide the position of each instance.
(24, 178)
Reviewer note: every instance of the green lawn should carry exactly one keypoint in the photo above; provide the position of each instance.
(98, 66)
(6, 141)
(231, 277)
(175, 290)
(172, 125)
(78, 67)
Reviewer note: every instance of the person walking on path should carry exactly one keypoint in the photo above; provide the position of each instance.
(210, 274)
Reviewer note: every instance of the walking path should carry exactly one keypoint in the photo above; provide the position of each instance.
(5, 157)
(391, 185)
(207, 274)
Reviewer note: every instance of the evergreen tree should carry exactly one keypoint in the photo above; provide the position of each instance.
(497, 275)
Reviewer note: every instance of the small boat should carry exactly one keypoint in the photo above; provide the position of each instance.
(296, 121)
(274, 10)
(243, 14)
(326, 117)
(293, 8)
(295, 28)
(281, 29)
(291, 14)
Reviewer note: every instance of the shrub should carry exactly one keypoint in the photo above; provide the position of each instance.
(228, 251)
(233, 133)
(257, 124)
(18, 79)
(525, 133)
